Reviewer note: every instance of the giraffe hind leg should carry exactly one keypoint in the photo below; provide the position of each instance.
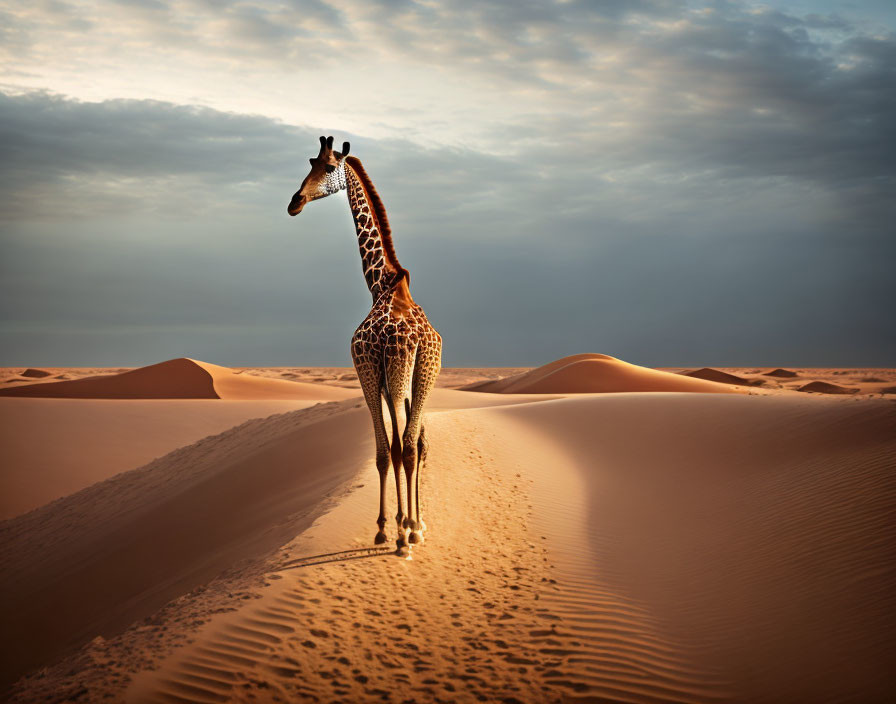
(412, 473)
(425, 371)
(416, 523)
(401, 518)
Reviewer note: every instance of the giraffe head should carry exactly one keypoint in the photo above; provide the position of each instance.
(327, 176)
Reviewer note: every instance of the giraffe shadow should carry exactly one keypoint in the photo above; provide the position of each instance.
(341, 556)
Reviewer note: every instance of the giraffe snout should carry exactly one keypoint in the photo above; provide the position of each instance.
(296, 204)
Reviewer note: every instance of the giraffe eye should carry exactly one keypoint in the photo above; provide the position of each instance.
(330, 168)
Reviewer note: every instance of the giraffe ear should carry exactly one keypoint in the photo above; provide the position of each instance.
(345, 148)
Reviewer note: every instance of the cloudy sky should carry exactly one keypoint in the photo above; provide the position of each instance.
(672, 182)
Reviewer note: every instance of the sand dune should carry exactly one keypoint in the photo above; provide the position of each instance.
(595, 373)
(35, 373)
(626, 547)
(179, 378)
(710, 374)
(782, 373)
(824, 387)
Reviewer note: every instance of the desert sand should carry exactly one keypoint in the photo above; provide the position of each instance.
(596, 531)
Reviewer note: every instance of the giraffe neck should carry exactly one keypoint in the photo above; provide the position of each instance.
(378, 260)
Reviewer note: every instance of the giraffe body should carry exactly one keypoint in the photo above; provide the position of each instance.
(395, 350)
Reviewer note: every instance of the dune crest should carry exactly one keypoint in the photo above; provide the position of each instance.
(597, 373)
(179, 378)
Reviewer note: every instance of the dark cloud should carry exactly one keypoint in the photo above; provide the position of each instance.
(64, 156)
(682, 187)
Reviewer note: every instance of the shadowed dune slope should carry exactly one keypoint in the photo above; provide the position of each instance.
(180, 378)
(97, 560)
(756, 533)
(596, 373)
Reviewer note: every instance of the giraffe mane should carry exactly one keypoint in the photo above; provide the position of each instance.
(379, 211)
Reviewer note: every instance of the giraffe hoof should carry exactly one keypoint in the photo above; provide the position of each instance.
(380, 538)
(403, 551)
(415, 537)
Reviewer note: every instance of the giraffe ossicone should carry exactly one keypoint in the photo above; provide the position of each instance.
(396, 352)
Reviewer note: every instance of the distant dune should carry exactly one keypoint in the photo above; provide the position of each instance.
(717, 375)
(179, 378)
(596, 373)
(35, 373)
(823, 387)
(781, 373)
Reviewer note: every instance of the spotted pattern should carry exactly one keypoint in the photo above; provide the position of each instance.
(380, 274)
(333, 182)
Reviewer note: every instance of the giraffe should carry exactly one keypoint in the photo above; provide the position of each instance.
(396, 352)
